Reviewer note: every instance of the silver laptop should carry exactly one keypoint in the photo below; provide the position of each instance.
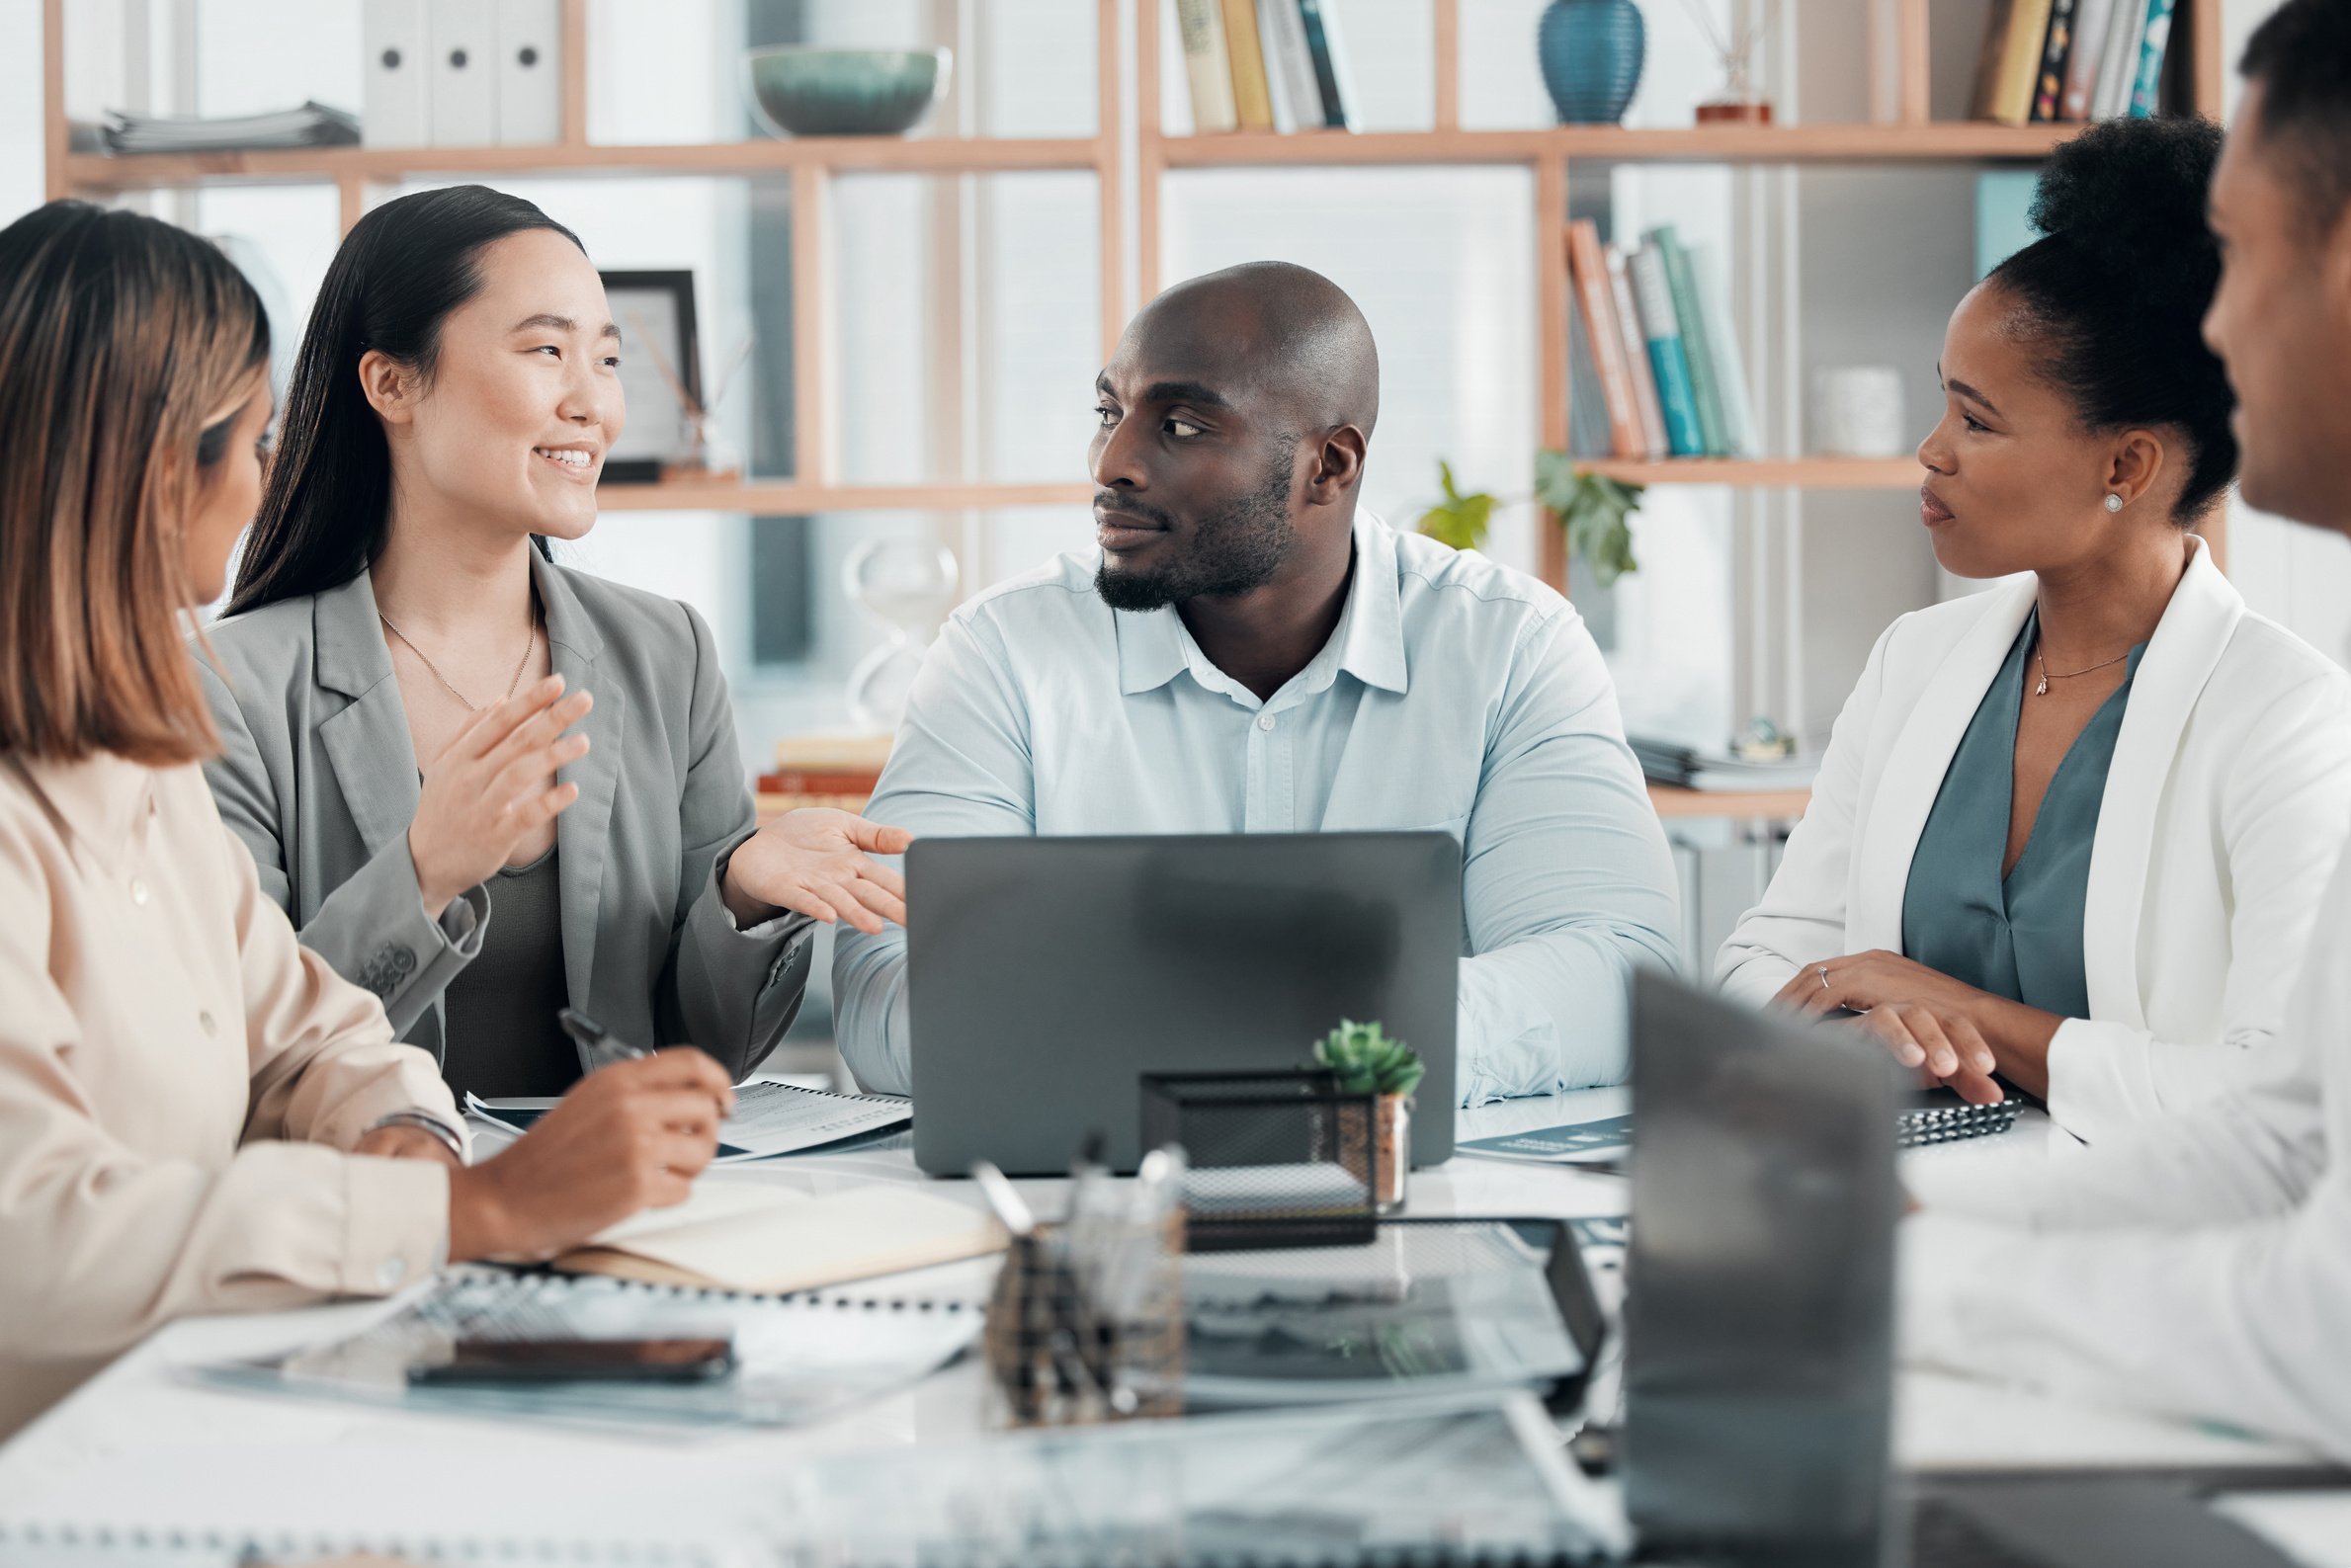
(1759, 1330)
(1046, 975)
(1759, 1313)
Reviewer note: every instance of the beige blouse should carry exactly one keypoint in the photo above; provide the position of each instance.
(179, 1083)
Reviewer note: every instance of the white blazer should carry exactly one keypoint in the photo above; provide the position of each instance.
(2225, 810)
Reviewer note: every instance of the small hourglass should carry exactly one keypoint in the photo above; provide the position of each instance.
(908, 585)
(1738, 103)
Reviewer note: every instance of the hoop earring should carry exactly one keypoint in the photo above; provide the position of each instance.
(2114, 503)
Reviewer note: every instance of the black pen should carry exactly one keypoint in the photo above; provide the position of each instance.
(595, 1040)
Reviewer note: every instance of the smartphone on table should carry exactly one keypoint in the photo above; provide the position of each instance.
(673, 1360)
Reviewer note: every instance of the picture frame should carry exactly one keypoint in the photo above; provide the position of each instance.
(660, 357)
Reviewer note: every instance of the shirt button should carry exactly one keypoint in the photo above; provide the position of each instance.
(1265, 721)
(389, 1271)
(206, 1019)
(139, 891)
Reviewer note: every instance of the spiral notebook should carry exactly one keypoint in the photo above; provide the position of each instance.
(1936, 1115)
(1940, 1116)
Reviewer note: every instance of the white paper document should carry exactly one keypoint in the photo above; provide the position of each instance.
(768, 1118)
(797, 1358)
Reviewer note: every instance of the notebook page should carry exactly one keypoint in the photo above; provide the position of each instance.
(806, 1242)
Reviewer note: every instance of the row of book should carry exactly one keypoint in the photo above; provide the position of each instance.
(1654, 364)
(1265, 66)
(2049, 61)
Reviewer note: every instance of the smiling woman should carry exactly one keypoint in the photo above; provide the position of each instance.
(456, 396)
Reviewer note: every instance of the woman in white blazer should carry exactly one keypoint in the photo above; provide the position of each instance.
(2072, 830)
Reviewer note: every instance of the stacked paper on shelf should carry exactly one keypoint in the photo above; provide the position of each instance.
(1694, 768)
(314, 124)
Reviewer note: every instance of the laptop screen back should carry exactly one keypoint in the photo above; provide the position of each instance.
(1046, 975)
(1758, 1356)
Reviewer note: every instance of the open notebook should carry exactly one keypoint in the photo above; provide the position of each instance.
(741, 1236)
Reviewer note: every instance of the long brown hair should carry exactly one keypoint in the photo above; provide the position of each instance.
(121, 339)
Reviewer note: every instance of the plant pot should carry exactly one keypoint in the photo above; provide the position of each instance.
(1592, 52)
(1393, 1128)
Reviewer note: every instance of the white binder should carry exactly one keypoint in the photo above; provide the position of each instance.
(395, 99)
(530, 72)
(464, 94)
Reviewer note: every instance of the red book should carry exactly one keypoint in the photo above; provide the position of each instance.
(808, 781)
(1587, 266)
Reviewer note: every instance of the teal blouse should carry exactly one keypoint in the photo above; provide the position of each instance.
(2019, 937)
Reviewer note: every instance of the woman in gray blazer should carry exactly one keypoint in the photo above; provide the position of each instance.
(581, 831)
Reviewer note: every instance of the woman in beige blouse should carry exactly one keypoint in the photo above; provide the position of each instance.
(196, 1113)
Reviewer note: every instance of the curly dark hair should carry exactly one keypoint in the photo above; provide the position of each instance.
(2116, 290)
(2302, 58)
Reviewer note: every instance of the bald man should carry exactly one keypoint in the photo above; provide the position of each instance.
(2201, 1264)
(1250, 652)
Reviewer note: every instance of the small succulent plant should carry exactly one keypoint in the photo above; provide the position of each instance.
(1366, 1062)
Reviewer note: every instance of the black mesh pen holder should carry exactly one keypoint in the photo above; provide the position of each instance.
(1277, 1159)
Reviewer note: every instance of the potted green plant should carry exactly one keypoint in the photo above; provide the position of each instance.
(1365, 1061)
(1595, 510)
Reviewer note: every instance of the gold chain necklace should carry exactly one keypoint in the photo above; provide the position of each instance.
(473, 706)
(2042, 689)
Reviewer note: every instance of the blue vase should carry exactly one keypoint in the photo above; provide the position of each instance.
(1592, 53)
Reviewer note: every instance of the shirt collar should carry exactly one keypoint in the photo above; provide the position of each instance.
(101, 798)
(1155, 647)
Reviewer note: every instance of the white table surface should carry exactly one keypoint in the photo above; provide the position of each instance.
(139, 1444)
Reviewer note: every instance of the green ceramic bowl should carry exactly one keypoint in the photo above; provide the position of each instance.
(800, 90)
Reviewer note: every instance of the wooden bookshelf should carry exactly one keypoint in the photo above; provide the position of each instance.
(1854, 144)
(101, 172)
(1903, 131)
(1802, 474)
(810, 163)
(1673, 804)
(1676, 804)
(790, 497)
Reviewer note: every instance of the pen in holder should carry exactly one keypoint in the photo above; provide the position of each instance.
(1086, 1321)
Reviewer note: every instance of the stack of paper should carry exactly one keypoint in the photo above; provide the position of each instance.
(1691, 768)
(314, 124)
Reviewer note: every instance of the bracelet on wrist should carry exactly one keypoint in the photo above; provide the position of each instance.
(448, 1136)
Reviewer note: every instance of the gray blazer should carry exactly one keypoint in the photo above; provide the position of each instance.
(318, 777)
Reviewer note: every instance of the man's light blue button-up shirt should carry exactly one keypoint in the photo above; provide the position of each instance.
(1455, 694)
